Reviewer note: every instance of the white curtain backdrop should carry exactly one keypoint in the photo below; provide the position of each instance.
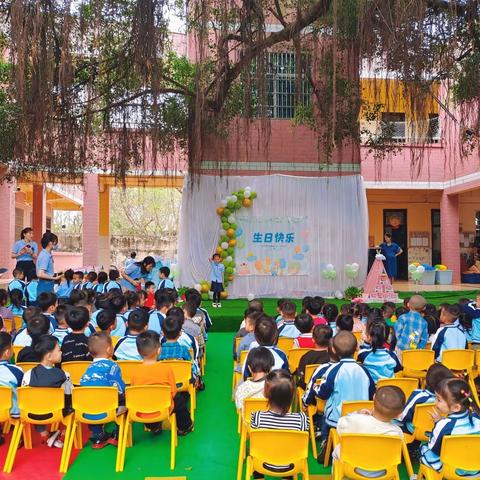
(336, 208)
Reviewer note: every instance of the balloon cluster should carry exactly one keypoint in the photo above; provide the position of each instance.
(203, 287)
(441, 267)
(229, 231)
(416, 271)
(329, 273)
(351, 270)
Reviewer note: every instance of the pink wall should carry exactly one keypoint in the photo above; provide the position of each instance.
(66, 260)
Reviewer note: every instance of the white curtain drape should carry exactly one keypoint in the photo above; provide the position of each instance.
(336, 208)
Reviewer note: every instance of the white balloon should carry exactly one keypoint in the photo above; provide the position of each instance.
(247, 189)
(228, 198)
(224, 245)
(421, 269)
(234, 198)
(329, 267)
(356, 266)
(250, 297)
(231, 219)
(247, 193)
(223, 203)
(229, 259)
(198, 287)
(223, 232)
(338, 294)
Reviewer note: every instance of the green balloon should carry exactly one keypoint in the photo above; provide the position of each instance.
(204, 296)
(240, 197)
(225, 225)
(233, 225)
(226, 213)
(224, 238)
(253, 195)
(230, 250)
(224, 219)
(230, 204)
(238, 204)
(224, 254)
(229, 270)
(241, 192)
(232, 264)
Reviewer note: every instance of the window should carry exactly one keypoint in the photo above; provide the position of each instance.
(433, 134)
(394, 126)
(281, 72)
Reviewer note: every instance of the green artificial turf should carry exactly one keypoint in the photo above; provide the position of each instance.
(228, 318)
(209, 453)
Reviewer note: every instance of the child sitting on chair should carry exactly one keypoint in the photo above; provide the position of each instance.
(46, 375)
(260, 365)
(304, 324)
(287, 328)
(451, 335)
(103, 372)
(388, 404)
(279, 391)
(153, 372)
(75, 344)
(246, 333)
(126, 347)
(37, 326)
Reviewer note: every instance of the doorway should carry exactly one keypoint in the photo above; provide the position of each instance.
(395, 223)
(436, 239)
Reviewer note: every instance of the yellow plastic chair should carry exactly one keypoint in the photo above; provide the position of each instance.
(25, 366)
(347, 407)
(356, 453)
(76, 370)
(237, 376)
(309, 370)
(278, 447)
(477, 361)
(17, 322)
(128, 367)
(285, 343)
(182, 371)
(148, 404)
(294, 357)
(101, 402)
(407, 385)
(16, 350)
(416, 363)
(462, 361)
(32, 402)
(5, 406)
(358, 336)
(115, 340)
(250, 405)
(422, 422)
(457, 454)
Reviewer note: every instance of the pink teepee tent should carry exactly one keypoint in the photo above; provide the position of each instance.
(377, 286)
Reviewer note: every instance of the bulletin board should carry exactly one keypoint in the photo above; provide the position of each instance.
(419, 239)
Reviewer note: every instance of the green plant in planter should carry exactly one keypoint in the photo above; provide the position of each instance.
(352, 292)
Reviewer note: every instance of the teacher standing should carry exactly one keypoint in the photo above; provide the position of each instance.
(136, 272)
(25, 251)
(391, 251)
(45, 265)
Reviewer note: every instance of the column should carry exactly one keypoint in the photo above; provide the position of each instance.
(7, 239)
(90, 222)
(39, 211)
(104, 227)
(449, 225)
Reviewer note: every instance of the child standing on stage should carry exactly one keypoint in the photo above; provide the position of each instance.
(216, 277)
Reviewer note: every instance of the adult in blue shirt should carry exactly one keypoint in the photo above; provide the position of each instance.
(25, 251)
(391, 250)
(136, 272)
(45, 266)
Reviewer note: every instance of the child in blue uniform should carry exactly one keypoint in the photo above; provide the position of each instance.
(457, 414)
(126, 347)
(451, 335)
(379, 361)
(165, 282)
(31, 291)
(18, 282)
(216, 277)
(472, 310)
(102, 279)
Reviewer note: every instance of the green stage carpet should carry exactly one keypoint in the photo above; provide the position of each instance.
(228, 318)
(210, 452)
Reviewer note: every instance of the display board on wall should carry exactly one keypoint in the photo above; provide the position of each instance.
(420, 254)
(419, 239)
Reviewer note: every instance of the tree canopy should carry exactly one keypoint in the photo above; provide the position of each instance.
(97, 84)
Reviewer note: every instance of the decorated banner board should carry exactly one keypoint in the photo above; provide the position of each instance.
(275, 246)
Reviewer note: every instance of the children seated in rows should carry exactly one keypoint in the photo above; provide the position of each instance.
(153, 372)
(16, 302)
(37, 326)
(102, 279)
(344, 323)
(246, 333)
(126, 347)
(261, 362)
(75, 344)
(378, 360)
(315, 308)
(103, 372)
(18, 282)
(22, 338)
(338, 382)
(456, 414)
(304, 324)
(191, 328)
(45, 374)
(330, 314)
(266, 335)
(78, 280)
(163, 303)
(65, 288)
(287, 328)
(201, 317)
(319, 355)
(47, 302)
(451, 334)
(62, 329)
(118, 304)
(113, 281)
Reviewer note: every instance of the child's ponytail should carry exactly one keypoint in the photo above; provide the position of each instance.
(457, 390)
(377, 334)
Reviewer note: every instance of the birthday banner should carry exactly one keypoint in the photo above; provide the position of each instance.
(272, 246)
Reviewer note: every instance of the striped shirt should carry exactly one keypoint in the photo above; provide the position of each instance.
(462, 423)
(449, 337)
(276, 421)
(418, 397)
(380, 363)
